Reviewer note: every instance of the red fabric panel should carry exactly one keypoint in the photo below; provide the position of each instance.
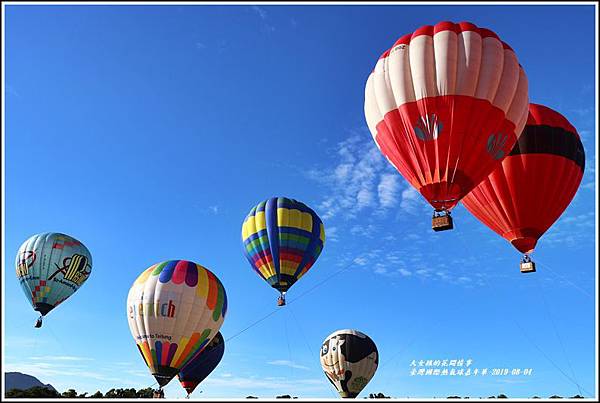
(446, 168)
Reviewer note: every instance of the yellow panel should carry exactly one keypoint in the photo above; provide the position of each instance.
(266, 270)
(144, 276)
(259, 221)
(283, 217)
(202, 286)
(180, 347)
(245, 229)
(307, 223)
(323, 232)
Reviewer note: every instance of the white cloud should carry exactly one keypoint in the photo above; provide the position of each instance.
(361, 261)
(287, 363)
(364, 198)
(260, 11)
(360, 179)
(405, 273)
(410, 200)
(423, 272)
(264, 16)
(255, 383)
(60, 358)
(387, 190)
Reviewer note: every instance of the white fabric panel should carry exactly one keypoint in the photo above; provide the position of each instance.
(383, 88)
(508, 82)
(520, 100)
(398, 68)
(468, 63)
(445, 46)
(372, 113)
(491, 71)
(422, 66)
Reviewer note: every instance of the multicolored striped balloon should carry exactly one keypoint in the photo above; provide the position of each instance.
(50, 268)
(202, 364)
(282, 240)
(174, 309)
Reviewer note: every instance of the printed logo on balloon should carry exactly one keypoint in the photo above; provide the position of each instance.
(495, 145)
(26, 260)
(428, 127)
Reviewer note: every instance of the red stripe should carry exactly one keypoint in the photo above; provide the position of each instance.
(290, 256)
(540, 115)
(431, 30)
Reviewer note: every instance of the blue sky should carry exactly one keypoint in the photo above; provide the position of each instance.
(148, 133)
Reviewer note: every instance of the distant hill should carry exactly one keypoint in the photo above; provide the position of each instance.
(17, 380)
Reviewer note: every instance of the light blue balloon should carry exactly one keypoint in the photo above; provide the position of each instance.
(50, 268)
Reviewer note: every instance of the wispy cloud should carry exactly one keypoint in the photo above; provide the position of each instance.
(388, 188)
(360, 181)
(287, 363)
(10, 90)
(264, 16)
(268, 383)
(60, 358)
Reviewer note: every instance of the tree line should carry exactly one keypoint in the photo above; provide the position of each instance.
(124, 393)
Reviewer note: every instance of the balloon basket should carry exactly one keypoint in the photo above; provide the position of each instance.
(527, 265)
(281, 301)
(38, 322)
(441, 221)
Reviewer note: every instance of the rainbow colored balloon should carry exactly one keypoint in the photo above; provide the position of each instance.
(282, 240)
(174, 309)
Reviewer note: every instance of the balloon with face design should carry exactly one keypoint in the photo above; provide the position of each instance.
(349, 359)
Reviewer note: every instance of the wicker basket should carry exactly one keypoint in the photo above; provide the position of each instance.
(527, 267)
(442, 223)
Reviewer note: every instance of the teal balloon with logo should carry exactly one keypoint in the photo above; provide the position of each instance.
(50, 267)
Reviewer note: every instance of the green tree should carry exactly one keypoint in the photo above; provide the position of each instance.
(144, 393)
(97, 395)
(502, 396)
(70, 394)
(35, 392)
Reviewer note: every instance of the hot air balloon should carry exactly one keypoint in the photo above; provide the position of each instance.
(532, 187)
(202, 364)
(349, 359)
(445, 104)
(174, 309)
(50, 268)
(282, 239)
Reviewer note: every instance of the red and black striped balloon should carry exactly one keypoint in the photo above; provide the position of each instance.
(535, 183)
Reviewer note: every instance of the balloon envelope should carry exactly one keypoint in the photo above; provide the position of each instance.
(445, 104)
(532, 187)
(50, 267)
(349, 359)
(202, 364)
(282, 239)
(174, 309)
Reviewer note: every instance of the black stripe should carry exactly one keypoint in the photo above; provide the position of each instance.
(541, 139)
